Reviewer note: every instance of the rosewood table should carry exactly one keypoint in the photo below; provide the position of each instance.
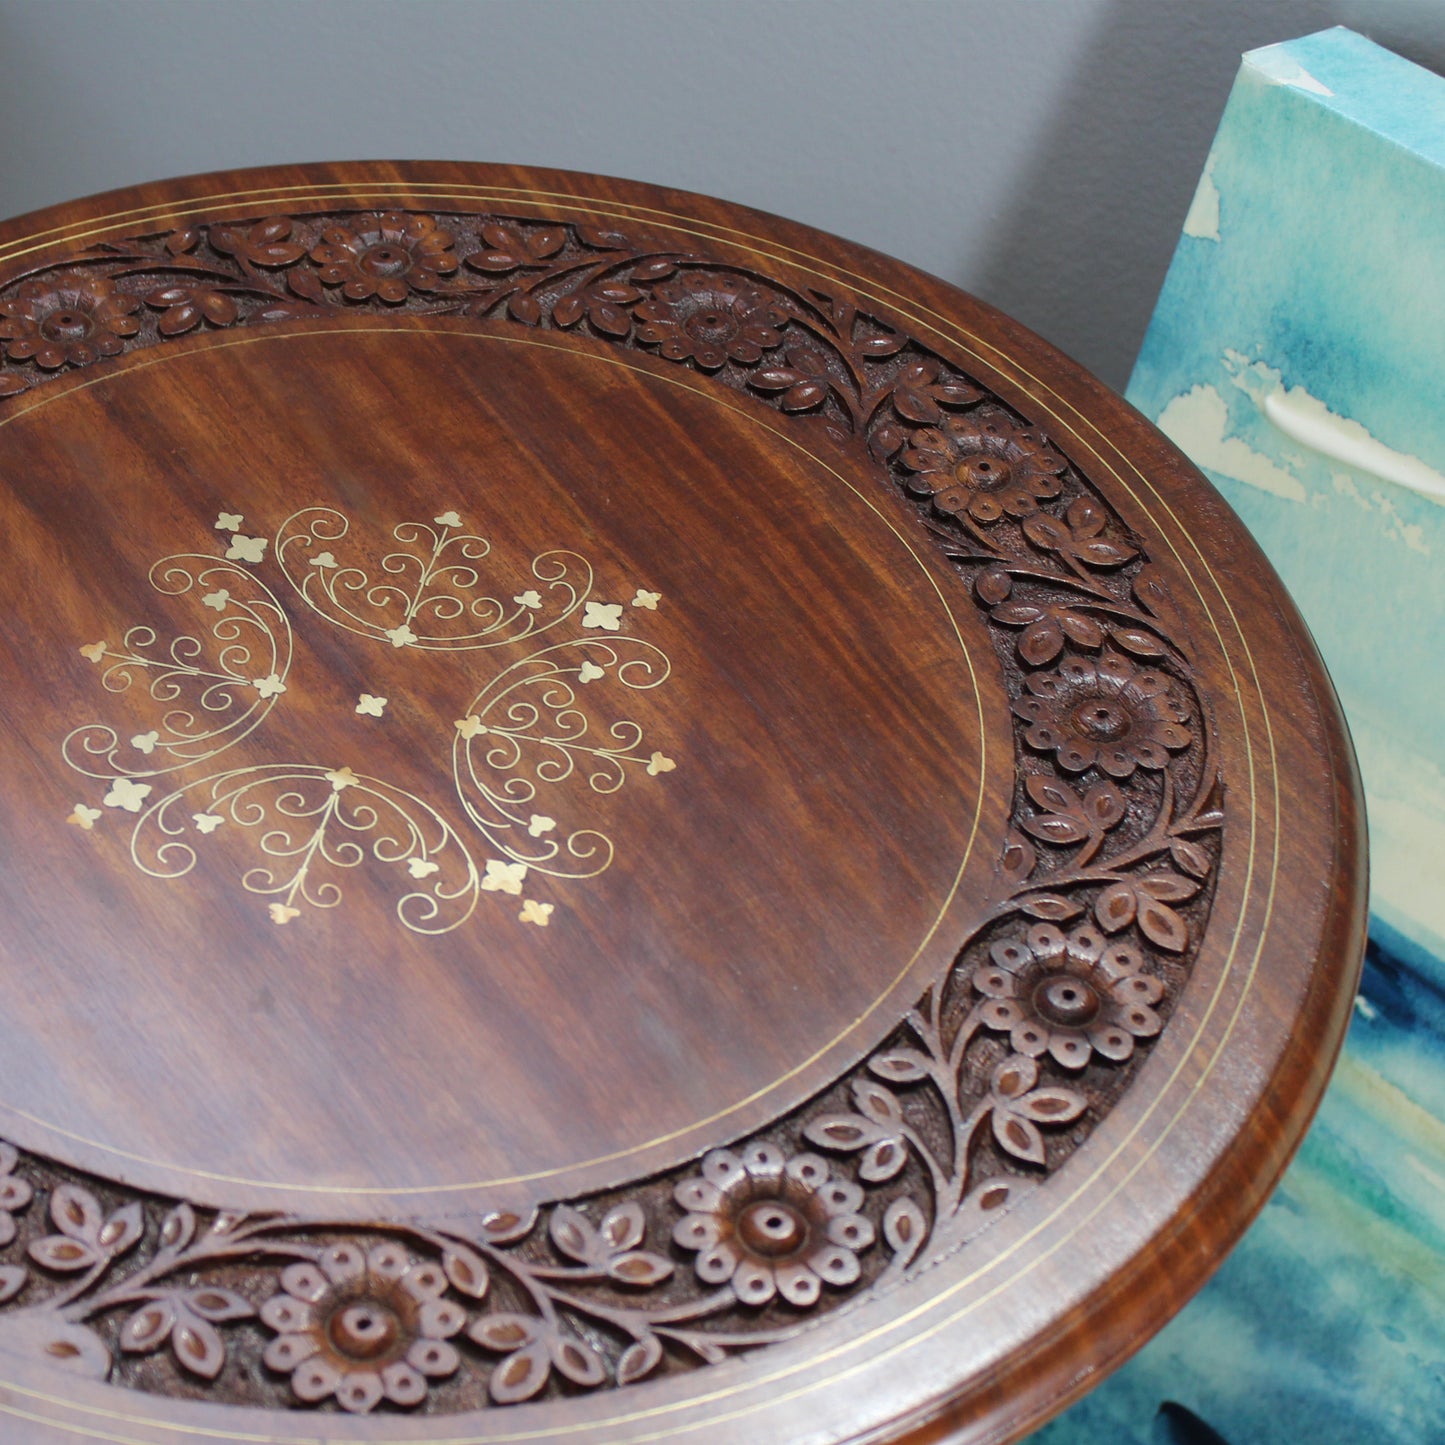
(622, 822)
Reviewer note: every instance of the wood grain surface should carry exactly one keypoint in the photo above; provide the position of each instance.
(622, 822)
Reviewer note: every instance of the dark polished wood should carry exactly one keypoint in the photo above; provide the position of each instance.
(623, 822)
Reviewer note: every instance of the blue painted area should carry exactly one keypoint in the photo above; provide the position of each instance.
(1327, 1323)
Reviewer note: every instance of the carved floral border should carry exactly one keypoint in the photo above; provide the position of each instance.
(989, 1083)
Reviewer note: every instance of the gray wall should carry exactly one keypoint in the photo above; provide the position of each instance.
(1039, 152)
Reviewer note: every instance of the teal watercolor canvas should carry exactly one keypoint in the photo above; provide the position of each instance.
(1297, 354)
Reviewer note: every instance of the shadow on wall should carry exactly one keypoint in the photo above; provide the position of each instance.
(1123, 154)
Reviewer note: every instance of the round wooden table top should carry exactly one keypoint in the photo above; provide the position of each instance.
(622, 822)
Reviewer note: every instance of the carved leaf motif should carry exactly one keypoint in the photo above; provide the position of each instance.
(197, 1346)
(1120, 904)
(905, 1228)
(307, 285)
(993, 586)
(1104, 806)
(920, 394)
(546, 241)
(511, 248)
(639, 1267)
(523, 306)
(885, 442)
(1082, 542)
(655, 270)
(569, 310)
(1116, 907)
(574, 1236)
(1069, 818)
(601, 239)
(1190, 857)
(1152, 592)
(1018, 1136)
(1053, 795)
(286, 311)
(1046, 531)
(804, 383)
(1019, 858)
(888, 343)
(505, 1332)
(1099, 553)
(1166, 887)
(1161, 925)
(148, 1328)
(602, 304)
(506, 1227)
(76, 1212)
(1052, 908)
(465, 1270)
(1057, 828)
(847, 1132)
(13, 1278)
(639, 1360)
(879, 1104)
(186, 1318)
(882, 1160)
(1018, 614)
(178, 1228)
(624, 1226)
(218, 1305)
(1015, 1076)
(578, 1362)
(122, 1229)
(1051, 1105)
(900, 1066)
(1081, 629)
(1086, 517)
(1137, 641)
(263, 244)
(521, 1375)
(86, 1236)
(1042, 642)
(58, 1252)
(228, 1221)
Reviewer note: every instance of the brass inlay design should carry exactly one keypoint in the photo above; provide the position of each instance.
(531, 728)
(311, 821)
(211, 690)
(430, 593)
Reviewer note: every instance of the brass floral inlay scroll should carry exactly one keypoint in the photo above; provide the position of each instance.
(310, 823)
